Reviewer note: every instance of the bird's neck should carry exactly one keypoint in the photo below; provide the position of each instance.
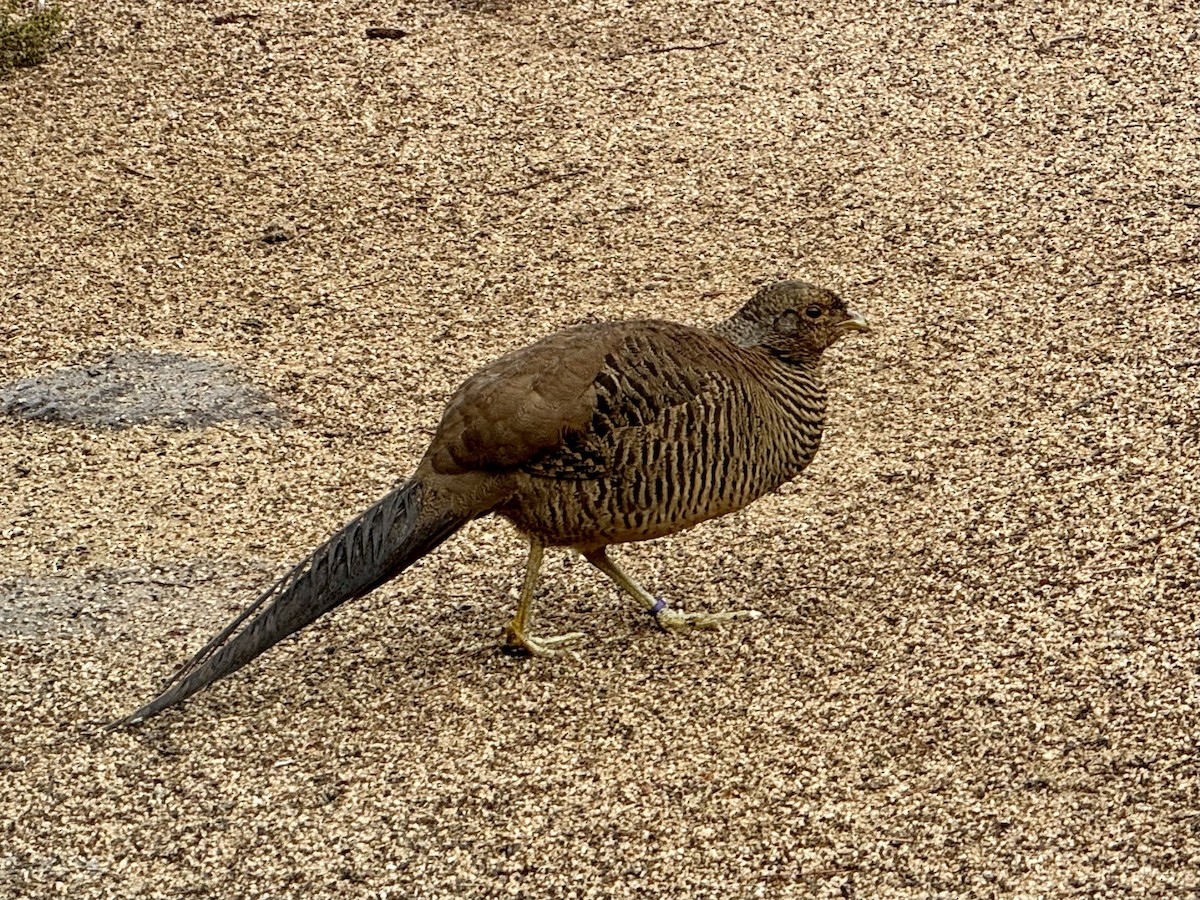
(743, 332)
(795, 376)
(798, 395)
(751, 336)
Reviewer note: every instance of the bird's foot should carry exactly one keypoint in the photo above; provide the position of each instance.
(518, 643)
(673, 618)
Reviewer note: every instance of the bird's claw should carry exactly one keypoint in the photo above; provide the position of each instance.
(673, 618)
(517, 643)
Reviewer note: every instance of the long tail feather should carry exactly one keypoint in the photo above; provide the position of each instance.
(374, 548)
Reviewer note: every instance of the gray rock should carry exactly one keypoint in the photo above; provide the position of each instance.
(167, 597)
(137, 388)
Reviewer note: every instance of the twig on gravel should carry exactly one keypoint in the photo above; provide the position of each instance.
(1152, 538)
(231, 17)
(1047, 46)
(1063, 38)
(360, 432)
(138, 172)
(669, 48)
(1186, 364)
(1157, 536)
(386, 34)
(1059, 465)
(162, 582)
(382, 279)
(1084, 404)
(562, 176)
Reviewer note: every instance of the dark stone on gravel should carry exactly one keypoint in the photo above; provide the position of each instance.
(169, 597)
(277, 233)
(140, 388)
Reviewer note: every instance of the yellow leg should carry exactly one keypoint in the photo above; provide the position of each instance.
(656, 606)
(516, 636)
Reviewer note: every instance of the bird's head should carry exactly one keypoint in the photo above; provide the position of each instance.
(794, 319)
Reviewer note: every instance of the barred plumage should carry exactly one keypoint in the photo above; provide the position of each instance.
(598, 435)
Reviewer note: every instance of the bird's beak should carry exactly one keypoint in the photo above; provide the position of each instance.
(855, 322)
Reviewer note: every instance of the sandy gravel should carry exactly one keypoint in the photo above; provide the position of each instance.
(978, 672)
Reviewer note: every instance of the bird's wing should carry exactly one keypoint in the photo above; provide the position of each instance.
(557, 404)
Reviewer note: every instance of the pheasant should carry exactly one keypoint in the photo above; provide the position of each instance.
(600, 434)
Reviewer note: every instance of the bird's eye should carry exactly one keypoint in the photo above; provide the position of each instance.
(813, 312)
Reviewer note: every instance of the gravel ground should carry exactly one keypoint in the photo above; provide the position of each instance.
(977, 674)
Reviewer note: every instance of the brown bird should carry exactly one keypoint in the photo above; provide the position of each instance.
(598, 435)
